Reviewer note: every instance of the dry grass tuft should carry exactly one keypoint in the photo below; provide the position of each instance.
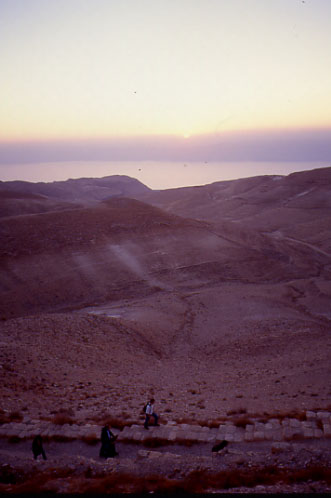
(242, 422)
(61, 419)
(237, 411)
(91, 439)
(186, 420)
(14, 416)
(199, 481)
(114, 422)
(299, 415)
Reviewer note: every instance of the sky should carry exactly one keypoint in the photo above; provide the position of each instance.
(164, 80)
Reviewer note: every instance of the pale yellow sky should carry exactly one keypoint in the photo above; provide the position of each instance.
(103, 68)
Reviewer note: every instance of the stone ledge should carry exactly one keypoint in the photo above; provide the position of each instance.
(317, 426)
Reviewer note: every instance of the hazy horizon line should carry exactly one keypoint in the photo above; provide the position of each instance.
(245, 145)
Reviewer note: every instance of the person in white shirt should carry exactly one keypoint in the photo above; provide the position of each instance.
(150, 413)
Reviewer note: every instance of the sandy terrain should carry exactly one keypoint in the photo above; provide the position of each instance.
(107, 305)
(208, 317)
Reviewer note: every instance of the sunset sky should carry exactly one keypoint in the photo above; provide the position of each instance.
(146, 75)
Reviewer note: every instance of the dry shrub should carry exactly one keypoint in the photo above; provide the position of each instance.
(61, 419)
(116, 423)
(213, 424)
(237, 411)
(200, 480)
(126, 483)
(185, 420)
(123, 483)
(32, 483)
(185, 442)
(3, 419)
(299, 415)
(242, 422)
(90, 439)
(15, 416)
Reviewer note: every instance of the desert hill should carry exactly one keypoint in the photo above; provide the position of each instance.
(263, 204)
(80, 190)
(15, 203)
(222, 291)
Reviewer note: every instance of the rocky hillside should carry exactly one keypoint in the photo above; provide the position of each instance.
(83, 190)
(298, 205)
(221, 293)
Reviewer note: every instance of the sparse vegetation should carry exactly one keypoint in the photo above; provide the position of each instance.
(91, 439)
(61, 419)
(198, 481)
(242, 316)
(299, 415)
(114, 422)
(238, 411)
(14, 416)
(242, 422)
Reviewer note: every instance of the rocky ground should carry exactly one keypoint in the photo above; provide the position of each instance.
(90, 365)
(302, 466)
(86, 367)
(225, 315)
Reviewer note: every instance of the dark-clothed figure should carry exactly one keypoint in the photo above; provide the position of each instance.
(150, 413)
(108, 439)
(37, 448)
(220, 446)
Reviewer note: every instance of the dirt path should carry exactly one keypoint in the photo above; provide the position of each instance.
(253, 450)
(279, 236)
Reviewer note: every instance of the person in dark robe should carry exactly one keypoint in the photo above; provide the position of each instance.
(108, 439)
(37, 447)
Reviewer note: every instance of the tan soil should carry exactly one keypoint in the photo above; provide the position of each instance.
(103, 307)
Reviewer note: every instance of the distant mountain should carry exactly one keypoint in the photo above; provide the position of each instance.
(82, 190)
(298, 204)
(244, 198)
(61, 255)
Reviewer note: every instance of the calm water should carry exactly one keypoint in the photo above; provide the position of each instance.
(156, 175)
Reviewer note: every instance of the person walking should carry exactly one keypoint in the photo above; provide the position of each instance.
(149, 412)
(37, 448)
(108, 439)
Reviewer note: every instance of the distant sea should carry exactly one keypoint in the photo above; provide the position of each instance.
(155, 174)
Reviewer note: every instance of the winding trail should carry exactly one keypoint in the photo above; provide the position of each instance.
(279, 236)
